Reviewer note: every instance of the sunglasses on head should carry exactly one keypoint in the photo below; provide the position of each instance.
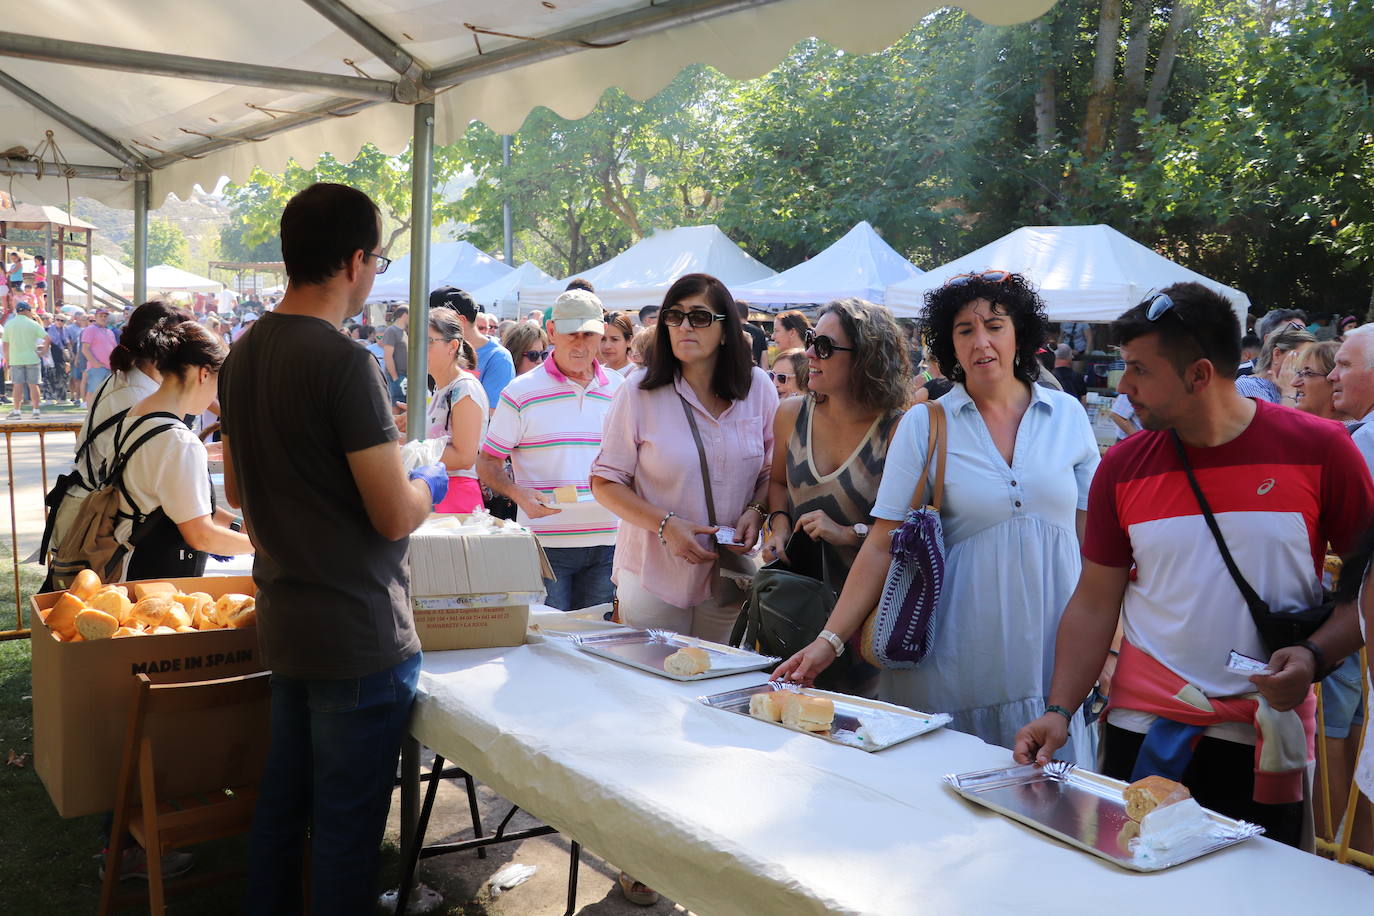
(823, 345)
(1162, 305)
(697, 318)
(987, 276)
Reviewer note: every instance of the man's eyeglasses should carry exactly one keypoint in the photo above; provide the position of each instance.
(780, 377)
(697, 318)
(1162, 305)
(823, 345)
(382, 263)
(988, 276)
(534, 356)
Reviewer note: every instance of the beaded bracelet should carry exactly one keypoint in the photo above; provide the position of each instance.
(663, 524)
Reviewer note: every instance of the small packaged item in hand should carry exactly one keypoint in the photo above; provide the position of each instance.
(1244, 664)
(726, 535)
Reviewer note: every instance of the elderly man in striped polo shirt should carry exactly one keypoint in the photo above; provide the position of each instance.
(548, 423)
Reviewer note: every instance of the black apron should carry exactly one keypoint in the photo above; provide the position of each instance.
(159, 550)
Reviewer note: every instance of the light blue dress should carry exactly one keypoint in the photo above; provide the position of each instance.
(1012, 562)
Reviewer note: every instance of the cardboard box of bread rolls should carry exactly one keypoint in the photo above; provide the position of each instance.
(472, 581)
(82, 692)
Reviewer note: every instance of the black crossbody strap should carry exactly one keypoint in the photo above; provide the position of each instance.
(90, 480)
(122, 455)
(701, 454)
(1259, 609)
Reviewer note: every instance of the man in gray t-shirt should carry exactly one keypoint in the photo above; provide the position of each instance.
(396, 351)
(311, 453)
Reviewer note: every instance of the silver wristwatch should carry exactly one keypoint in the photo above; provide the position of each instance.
(861, 529)
(835, 642)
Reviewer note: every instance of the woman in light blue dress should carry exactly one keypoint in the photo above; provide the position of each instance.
(1020, 462)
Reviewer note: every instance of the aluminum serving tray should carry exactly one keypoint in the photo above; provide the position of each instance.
(646, 650)
(1086, 810)
(869, 725)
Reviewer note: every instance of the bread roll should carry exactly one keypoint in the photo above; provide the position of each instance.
(687, 661)
(193, 602)
(113, 602)
(151, 611)
(811, 714)
(245, 616)
(176, 617)
(566, 494)
(186, 629)
(227, 606)
(124, 632)
(204, 616)
(86, 584)
(1145, 795)
(153, 590)
(766, 706)
(163, 631)
(62, 618)
(93, 624)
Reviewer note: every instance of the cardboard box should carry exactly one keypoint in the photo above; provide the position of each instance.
(473, 591)
(82, 692)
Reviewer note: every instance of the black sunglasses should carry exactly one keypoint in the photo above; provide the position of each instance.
(697, 318)
(1162, 305)
(989, 276)
(823, 345)
(382, 263)
(534, 356)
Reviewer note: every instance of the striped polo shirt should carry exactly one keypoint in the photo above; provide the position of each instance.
(550, 429)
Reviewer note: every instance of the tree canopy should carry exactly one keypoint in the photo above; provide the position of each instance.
(1235, 136)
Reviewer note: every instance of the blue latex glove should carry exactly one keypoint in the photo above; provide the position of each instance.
(222, 559)
(435, 477)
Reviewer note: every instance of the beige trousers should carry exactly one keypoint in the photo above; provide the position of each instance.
(711, 619)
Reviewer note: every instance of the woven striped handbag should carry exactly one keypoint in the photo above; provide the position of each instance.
(898, 633)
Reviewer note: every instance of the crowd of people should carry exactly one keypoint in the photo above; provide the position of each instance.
(1086, 611)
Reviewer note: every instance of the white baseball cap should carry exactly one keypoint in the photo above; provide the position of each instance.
(577, 311)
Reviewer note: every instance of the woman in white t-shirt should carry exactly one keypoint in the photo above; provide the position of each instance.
(457, 410)
(135, 377)
(615, 343)
(173, 522)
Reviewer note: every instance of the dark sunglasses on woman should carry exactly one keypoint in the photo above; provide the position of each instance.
(534, 356)
(697, 318)
(823, 345)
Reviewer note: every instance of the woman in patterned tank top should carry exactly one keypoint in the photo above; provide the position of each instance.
(826, 479)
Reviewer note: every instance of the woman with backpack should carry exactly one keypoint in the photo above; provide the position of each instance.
(168, 516)
(135, 377)
(457, 410)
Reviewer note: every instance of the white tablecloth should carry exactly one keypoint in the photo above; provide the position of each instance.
(731, 816)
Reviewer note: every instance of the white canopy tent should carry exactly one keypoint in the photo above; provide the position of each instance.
(502, 296)
(459, 264)
(107, 272)
(642, 273)
(165, 278)
(1084, 273)
(859, 264)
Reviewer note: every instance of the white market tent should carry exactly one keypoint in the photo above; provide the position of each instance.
(164, 278)
(459, 264)
(642, 273)
(1084, 273)
(108, 272)
(860, 264)
(502, 296)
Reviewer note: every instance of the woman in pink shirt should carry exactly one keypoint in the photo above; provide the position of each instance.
(649, 471)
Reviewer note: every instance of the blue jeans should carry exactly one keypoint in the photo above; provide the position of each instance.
(332, 766)
(584, 577)
(394, 386)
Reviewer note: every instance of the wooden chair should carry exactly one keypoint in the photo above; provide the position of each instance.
(229, 719)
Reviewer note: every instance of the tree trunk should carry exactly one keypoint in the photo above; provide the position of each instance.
(1100, 91)
(1133, 77)
(1168, 52)
(1045, 94)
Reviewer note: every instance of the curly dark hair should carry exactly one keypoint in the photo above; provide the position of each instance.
(1011, 296)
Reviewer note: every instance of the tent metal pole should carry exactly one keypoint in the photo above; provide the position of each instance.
(507, 238)
(72, 122)
(421, 215)
(369, 36)
(334, 108)
(82, 54)
(635, 24)
(142, 192)
(29, 167)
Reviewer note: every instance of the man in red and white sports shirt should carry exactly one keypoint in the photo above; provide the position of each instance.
(1281, 484)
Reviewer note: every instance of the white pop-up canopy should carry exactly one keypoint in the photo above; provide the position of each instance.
(501, 296)
(107, 272)
(461, 264)
(859, 264)
(1084, 273)
(642, 273)
(165, 278)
